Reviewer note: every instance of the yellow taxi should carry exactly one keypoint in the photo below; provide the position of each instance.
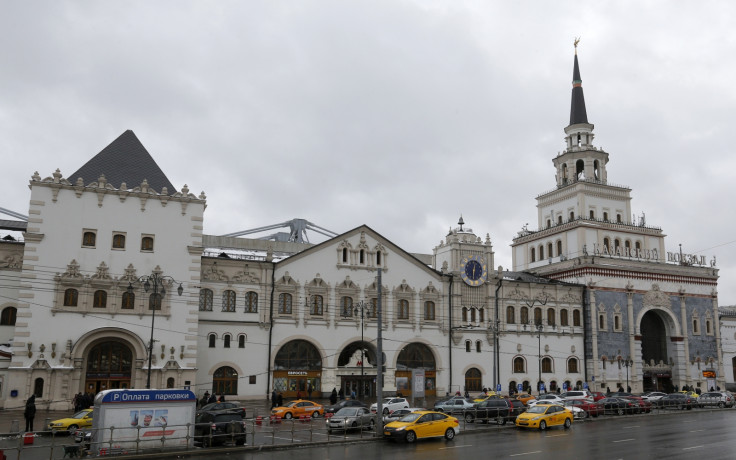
(524, 397)
(295, 409)
(82, 419)
(422, 424)
(488, 395)
(545, 415)
(692, 394)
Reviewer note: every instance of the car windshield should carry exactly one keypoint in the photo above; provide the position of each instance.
(81, 414)
(538, 409)
(346, 412)
(290, 404)
(410, 418)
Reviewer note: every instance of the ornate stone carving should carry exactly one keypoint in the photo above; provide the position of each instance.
(570, 297)
(211, 273)
(516, 294)
(12, 261)
(656, 298)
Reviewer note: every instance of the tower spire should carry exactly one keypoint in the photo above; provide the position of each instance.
(578, 113)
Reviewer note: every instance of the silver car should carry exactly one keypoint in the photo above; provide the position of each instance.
(716, 398)
(351, 418)
(454, 405)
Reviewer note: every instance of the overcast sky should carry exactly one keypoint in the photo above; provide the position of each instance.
(401, 115)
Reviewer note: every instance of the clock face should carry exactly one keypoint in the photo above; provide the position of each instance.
(473, 270)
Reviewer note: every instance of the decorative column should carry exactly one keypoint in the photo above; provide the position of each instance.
(593, 330)
(685, 336)
(721, 378)
(634, 354)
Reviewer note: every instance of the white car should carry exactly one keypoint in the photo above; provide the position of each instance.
(390, 405)
(583, 395)
(653, 396)
(548, 398)
(398, 413)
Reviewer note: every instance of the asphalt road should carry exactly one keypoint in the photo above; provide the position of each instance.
(680, 435)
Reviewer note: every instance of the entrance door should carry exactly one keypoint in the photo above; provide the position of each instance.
(109, 366)
(363, 386)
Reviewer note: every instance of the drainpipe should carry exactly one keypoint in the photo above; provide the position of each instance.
(496, 351)
(449, 309)
(585, 334)
(270, 328)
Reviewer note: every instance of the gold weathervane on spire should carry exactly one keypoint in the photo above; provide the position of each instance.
(577, 40)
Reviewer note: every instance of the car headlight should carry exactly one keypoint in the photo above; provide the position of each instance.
(536, 418)
(401, 428)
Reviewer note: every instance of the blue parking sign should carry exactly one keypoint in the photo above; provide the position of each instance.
(498, 387)
(585, 386)
(519, 387)
(564, 386)
(541, 386)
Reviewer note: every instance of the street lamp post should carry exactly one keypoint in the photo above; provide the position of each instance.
(628, 363)
(541, 299)
(361, 308)
(155, 280)
(540, 328)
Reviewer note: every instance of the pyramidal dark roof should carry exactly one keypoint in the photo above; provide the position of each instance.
(577, 107)
(125, 160)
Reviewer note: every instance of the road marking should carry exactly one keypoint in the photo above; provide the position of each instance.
(555, 435)
(625, 440)
(456, 447)
(695, 431)
(288, 439)
(526, 453)
(632, 426)
(690, 448)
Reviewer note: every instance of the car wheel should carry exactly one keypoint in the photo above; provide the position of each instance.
(500, 420)
(411, 437)
(207, 442)
(542, 425)
(315, 414)
(287, 415)
(720, 404)
(450, 434)
(568, 422)
(240, 441)
(469, 418)
(329, 430)
(584, 415)
(372, 424)
(354, 425)
(385, 411)
(72, 429)
(620, 411)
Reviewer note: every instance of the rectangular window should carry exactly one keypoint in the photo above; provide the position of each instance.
(147, 243)
(118, 241)
(89, 238)
(252, 379)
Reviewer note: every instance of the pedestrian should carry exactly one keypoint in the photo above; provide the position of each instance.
(30, 412)
(628, 389)
(213, 398)
(274, 398)
(341, 394)
(352, 394)
(221, 398)
(608, 391)
(205, 399)
(333, 396)
(309, 391)
(280, 400)
(298, 394)
(467, 393)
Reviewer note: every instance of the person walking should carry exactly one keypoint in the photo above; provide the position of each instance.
(280, 400)
(341, 394)
(333, 396)
(30, 412)
(274, 398)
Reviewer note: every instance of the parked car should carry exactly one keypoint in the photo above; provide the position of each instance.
(351, 417)
(294, 409)
(423, 424)
(453, 405)
(82, 419)
(84, 437)
(399, 413)
(652, 396)
(524, 397)
(225, 406)
(499, 409)
(217, 428)
(488, 395)
(517, 407)
(543, 416)
(618, 406)
(643, 405)
(577, 394)
(549, 397)
(676, 401)
(390, 405)
(590, 409)
(716, 398)
(692, 394)
(597, 396)
(344, 403)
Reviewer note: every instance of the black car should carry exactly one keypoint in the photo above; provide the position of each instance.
(499, 410)
(216, 428)
(344, 403)
(517, 407)
(676, 401)
(618, 406)
(225, 406)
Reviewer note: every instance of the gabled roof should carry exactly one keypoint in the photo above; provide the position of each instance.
(577, 106)
(124, 160)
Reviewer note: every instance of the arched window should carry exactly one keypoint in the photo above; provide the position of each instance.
(605, 216)
(549, 223)
(7, 318)
(510, 315)
(602, 322)
(228, 300)
(128, 301)
(576, 318)
(707, 327)
(537, 315)
(38, 387)
(637, 246)
(481, 312)
(378, 258)
(211, 340)
(473, 380)
(592, 214)
(472, 314)
(362, 257)
(465, 315)
(251, 302)
(99, 299)
(559, 219)
(403, 309)
(170, 382)
(572, 215)
(547, 365)
(118, 241)
(607, 244)
(71, 297)
(541, 252)
(551, 316)
(478, 346)
(225, 381)
(468, 346)
(524, 319)
(346, 306)
(618, 218)
(344, 255)
(241, 341)
(154, 301)
(429, 311)
(226, 341)
(89, 239)
(572, 365)
(627, 246)
(298, 355)
(519, 365)
(317, 305)
(549, 250)
(146, 243)
(696, 326)
(616, 245)
(616, 322)
(285, 304)
(531, 251)
(559, 247)
(563, 317)
(205, 299)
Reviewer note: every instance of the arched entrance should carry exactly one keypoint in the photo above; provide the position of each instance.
(657, 371)
(109, 366)
(416, 356)
(224, 381)
(473, 379)
(298, 369)
(357, 370)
